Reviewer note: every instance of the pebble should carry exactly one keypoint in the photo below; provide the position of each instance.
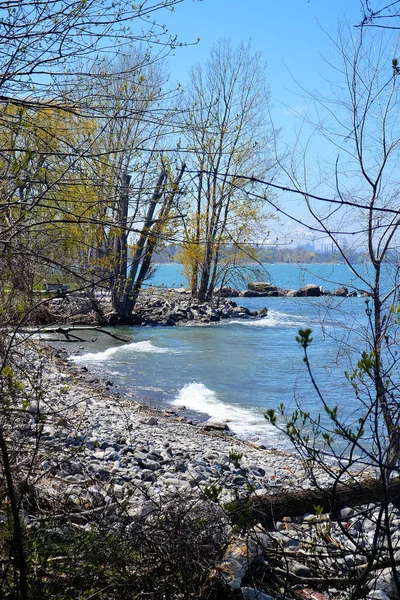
(300, 570)
(346, 513)
(252, 594)
(157, 450)
(378, 595)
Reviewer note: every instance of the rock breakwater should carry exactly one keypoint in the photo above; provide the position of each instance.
(264, 289)
(155, 306)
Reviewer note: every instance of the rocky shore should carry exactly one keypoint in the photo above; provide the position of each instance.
(155, 306)
(169, 307)
(134, 451)
(100, 451)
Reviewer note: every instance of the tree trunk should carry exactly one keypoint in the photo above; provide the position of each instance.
(18, 539)
(148, 241)
(120, 242)
(205, 274)
(270, 507)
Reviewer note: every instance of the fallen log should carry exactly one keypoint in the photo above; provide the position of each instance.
(66, 331)
(267, 508)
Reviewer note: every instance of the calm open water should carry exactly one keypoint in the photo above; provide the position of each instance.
(236, 370)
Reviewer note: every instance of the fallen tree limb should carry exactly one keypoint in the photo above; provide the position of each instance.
(58, 339)
(267, 507)
(66, 331)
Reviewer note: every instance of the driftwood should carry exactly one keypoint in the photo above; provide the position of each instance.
(267, 508)
(240, 553)
(66, 331)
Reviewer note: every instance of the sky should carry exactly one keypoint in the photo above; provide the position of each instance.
(292, 36)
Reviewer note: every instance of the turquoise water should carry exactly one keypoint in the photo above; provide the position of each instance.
(236, 370)
(286, 276)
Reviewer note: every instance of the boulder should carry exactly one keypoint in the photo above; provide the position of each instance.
(341, 291)
(226, 292)
(214, 426)
(262, 286)
(240, 311)
(250, 294)
(309, 290)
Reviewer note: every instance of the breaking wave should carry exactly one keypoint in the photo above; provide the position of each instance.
(145, 347)
(246, 423)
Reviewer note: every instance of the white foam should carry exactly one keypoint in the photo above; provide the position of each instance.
(273, 319)
(143, 347)
(247, 423)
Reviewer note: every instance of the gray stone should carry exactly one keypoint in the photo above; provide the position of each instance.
(239, 480)
(341, 291)
(249, 294)
(385, 583)
(252, 594)
(262, 286)
(103, 475)
(214, 425)
(347, 513)
(292, 543)
(119, 491)
(150, 464)
(349, 560)
(113, 455)
(299, 569)
(176, 482)
(226, 292)
(378, 595)
(309, 290)
(148, 475)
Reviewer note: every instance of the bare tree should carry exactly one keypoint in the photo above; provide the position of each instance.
(132, 137)
(226, 135)
(383, 15)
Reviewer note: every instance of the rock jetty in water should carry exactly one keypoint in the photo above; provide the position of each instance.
(155, 306)
(169, 307)
(268, 289)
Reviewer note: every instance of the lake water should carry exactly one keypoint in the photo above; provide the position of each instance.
(236, 370)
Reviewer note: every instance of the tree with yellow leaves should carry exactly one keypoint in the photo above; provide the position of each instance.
(227, 135)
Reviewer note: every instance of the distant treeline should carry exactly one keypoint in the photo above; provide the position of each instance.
(280, 254)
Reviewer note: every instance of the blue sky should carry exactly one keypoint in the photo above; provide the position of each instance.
(291, 35)
(293, 38)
